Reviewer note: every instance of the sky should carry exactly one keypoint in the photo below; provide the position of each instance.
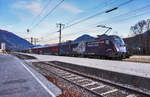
(19, 15)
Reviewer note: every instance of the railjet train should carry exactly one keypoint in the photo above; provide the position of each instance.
(105, 46)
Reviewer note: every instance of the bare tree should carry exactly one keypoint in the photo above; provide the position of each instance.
(132, 29)
(148, 25)
(138, 30)
(141, 26)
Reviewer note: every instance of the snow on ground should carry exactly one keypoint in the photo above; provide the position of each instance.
(138, 69)
(136, 58)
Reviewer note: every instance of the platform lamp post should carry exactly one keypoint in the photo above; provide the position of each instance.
(28, 30)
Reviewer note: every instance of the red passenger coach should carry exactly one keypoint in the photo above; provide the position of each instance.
(54, 48)
(45, 50)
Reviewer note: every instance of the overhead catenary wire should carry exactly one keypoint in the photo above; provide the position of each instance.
(119, 20)
(137, 15)
(93, 8)
(42, 11)
(125, 3)
(126, 18)
(88, 9)
(99, 13)
(47, 15)
(126, 14)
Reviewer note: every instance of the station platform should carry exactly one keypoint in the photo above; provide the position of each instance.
(19, 80)
(131, 68)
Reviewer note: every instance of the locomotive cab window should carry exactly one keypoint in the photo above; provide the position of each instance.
(107, 42)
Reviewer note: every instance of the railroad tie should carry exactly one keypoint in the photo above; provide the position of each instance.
(92, 83)
(111, 91)
(98, 87)
(70, 76)
(66, 74)
(81, 80)
(73, 78)
(62, 73)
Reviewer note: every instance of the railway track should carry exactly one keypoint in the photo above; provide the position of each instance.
(98, 87)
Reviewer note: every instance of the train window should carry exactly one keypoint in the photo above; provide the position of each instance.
(107, 42)
(119, 41)
(93, 44)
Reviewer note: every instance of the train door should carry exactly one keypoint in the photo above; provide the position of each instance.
(108, 46)
(92, 48)
(70, 49)
(102, 47)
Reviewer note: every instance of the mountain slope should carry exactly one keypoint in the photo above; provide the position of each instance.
(84, 37)
(13, 42)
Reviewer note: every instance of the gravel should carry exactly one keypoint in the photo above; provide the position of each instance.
(69, 89)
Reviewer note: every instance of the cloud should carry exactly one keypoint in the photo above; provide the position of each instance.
(33, 7)
(6, 27)
(71, 8)
(91, 29)
(44, 24)
(19, 4)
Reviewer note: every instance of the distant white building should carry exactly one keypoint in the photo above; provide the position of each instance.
(3, 48)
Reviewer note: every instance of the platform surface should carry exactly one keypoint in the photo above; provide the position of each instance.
(132, 68)
(19, 80)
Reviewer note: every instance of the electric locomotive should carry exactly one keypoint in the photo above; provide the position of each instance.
(107, 46)
(104, 46)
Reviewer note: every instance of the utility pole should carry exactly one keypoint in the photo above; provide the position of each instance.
(31, 40)
(60, 26)
(35, 41)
